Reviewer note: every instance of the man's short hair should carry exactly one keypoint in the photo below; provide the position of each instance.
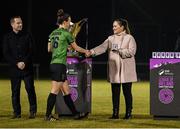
(13, 17)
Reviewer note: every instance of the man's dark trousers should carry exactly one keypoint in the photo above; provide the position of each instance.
(29, 86)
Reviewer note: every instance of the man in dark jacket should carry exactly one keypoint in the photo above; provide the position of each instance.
(17, 50)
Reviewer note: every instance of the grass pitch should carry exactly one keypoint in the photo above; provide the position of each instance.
(101, 109)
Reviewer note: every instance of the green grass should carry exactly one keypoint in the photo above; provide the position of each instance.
(101, 109)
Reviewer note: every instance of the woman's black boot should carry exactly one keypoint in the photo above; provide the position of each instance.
(128, 114)
(128, 99)
(115, 100)
(115, 114)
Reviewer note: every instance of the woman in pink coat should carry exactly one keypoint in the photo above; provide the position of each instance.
(121, 47)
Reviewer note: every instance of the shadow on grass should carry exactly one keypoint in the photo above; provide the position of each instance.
(154, 124)
(90, 116)
(140, 116)
(134, 116)
(8, 116)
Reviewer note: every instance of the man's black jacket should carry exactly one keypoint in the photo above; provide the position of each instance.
(17, 47)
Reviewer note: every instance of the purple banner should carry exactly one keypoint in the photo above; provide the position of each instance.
(71, 60)
(156, 63)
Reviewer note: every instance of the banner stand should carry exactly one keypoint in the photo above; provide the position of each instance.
(79, 75)
(165, 85)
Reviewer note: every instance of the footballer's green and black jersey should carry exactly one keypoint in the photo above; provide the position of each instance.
(60, 39)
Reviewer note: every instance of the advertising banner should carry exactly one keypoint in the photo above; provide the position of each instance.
(79, 75)
(165, 84)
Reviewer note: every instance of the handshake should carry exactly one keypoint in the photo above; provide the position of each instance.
(88, 53)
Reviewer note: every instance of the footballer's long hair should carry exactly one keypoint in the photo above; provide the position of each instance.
(61, 16)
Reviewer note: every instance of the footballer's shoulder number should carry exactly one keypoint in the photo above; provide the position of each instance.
(55, 41)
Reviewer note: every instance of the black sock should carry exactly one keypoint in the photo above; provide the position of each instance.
(70, 104)
(50, 103)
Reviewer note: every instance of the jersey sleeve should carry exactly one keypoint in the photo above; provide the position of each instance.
(70, 38)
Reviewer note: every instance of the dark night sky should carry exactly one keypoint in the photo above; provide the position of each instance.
(153, 23)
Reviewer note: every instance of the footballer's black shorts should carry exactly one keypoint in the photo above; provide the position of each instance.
(58, 72)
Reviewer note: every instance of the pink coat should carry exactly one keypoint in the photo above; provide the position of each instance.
(121, 63)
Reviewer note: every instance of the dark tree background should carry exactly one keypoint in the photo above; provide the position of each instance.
(153, 23)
